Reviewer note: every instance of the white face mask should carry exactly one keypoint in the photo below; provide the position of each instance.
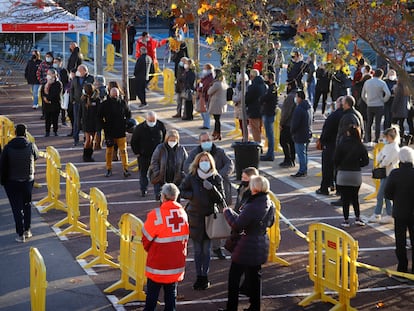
(296, 100)
(186, 66)
(49, 78)
(172, 144)
(204, 72)
(392, 78)
(204, 166)
(49, 59)
(55, 65)
(78, 74)
(151, 124)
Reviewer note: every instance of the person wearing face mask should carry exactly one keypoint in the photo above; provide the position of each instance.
(188, 89)
(399, 110)
(64, 78)
(203, 187)
(150, 44)
(167, 163)
(75, 58)
(388, 158)
(41, 73)
(296, 68)
(51, 100)
(207, 78)
(31, 78)
(180, 85)
(142, 75)
(391, 81)
(82, 77)
(217, 101)
(145, 138)
(178, 54)
(113, 115)
(243, 191)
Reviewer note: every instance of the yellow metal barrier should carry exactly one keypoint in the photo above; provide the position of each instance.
(274, 234)
(236, 133)
(375, 151)
(153, 84)
(84, 47)
(110, 58)
(169, 89)
(7, 131)
(72, 202)
(38, 283)
(132, 259)
(98, 219)
(53, 182)
(332, 265)
(276, 129)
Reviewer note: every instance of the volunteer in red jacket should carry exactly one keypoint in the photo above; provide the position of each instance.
(165, 236)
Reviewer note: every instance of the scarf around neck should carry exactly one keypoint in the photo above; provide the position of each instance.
(203, 175)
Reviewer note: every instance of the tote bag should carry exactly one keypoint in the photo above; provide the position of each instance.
(217, 226)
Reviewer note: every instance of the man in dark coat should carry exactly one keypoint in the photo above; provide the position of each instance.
(114, 114)
(328, 143)
(75, 58)
(268, 110)
(30, 75)
(17, 176)
(145, 138)
(399, 189)
(82, 77)
(141, 73)
(301, 129)
(286, 114)
(256, 90)
(296, 68)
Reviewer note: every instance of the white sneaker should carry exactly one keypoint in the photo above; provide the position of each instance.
(375, 218)
(28, 234)
(359, 222)
(345, 224)
(20, 239)
(386, 219)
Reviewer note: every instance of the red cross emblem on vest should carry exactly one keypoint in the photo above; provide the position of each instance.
(174, 221)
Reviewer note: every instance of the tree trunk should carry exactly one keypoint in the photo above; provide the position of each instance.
(196, 36)
(124, 52)
(243, 101)
(99, 43)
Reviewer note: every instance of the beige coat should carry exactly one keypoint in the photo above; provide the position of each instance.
(217, 97)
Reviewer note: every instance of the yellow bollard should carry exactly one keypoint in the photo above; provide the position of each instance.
(375, 151)
(333, 256)
(110, 58)
(53, 182)
(276, 129)
(169, 89)
(236, 133)
(132, 259)
(84, 47)
(72, 202)
(38, 283)
(98, 220)
(153, 84)
(274, 234)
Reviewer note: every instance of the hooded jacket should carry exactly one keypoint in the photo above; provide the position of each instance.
(256, 90)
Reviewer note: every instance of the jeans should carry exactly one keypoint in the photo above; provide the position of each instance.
(76, 122)
(20, 197)
(400, 230)
(380, 200)
(252, 278)
(374, 113)
(35, 92)
(143, 165)
(206, 119)
(311, 90)
(153, 290)
(278, 75)
(302, 153)
(202, 256)
(268, 122)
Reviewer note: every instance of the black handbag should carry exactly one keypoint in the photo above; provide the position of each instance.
(379, 173)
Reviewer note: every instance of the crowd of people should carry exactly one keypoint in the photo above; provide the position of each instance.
(202, 175)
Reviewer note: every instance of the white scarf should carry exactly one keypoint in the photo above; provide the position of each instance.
(203, 175)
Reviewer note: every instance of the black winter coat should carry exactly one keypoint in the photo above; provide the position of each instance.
(349, 117)
(30, 71)
(90, 113)
(201, 202)
(269, 101)
(76, 88)
(113, 114)
(145, 139)
(330, 128)
(399, 189)
(350, 155)
(257, 215)
(54, 97)
(300, 127)
(256, 90)
(75, 59)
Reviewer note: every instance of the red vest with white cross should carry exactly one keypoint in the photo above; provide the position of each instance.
(165, 237)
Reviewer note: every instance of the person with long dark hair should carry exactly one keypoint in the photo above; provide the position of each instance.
(51, 93)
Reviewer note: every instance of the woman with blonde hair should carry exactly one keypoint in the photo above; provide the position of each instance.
(90, 104)
(203, 187)
(167, 162)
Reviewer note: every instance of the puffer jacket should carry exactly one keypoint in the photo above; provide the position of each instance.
(201, 202)
(255, 217)
(159, 161)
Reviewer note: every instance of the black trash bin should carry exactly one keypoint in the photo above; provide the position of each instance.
(246, 154)
(132, 88)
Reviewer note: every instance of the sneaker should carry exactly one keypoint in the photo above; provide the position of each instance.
(386, 219)
(375, 218)
(142, 106)
(299, 175)
(20, 239)
(345, 224)
(219, 253)
(108, 173)
(35, 106)
(27, 234)
(127, 174)
(359, 222)
(322, 191)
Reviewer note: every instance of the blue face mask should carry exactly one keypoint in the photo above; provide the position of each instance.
(206, 145)
(385, 141)
(204, 166)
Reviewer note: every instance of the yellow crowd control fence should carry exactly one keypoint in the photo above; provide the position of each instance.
(53, 167)
(153, 84)
(132, 259)
(332, 265)
(169, 89)
(98, 220)
(7, 130)
(110, 58)
(72, 203)
(375, 151)
(38, 283)
(276, 127)
(274, 234)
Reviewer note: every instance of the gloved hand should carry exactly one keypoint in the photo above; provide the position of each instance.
(207, 185)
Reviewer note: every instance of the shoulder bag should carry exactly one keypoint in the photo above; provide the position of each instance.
(216, 225)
